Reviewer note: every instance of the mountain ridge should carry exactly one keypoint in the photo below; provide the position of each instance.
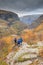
(8, 14)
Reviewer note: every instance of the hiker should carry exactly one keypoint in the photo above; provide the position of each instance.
(15, 40)
(19, 41)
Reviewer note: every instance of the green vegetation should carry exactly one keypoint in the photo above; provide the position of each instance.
(23, 59)
(3, 63)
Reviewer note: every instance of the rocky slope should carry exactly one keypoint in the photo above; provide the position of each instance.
(37, 22)
(10, 23)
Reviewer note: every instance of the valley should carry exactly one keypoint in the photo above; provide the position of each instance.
(30, 51)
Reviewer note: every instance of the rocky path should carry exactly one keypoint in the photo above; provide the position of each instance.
(24, 52)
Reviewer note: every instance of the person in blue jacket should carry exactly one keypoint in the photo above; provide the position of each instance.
(19, 41)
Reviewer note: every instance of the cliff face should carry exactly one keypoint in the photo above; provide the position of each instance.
(6, 15)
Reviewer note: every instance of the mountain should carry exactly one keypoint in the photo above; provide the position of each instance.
(35, 31)
(7, 15)
(37, 22)
(39, 28)
(10, 23)
(29, 18)
(33, 21)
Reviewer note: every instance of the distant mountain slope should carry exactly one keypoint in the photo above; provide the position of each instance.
(39, 28)
(29, 18)
(37, 22)
(33, 21)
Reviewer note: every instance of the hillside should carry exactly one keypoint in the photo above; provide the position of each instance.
(34, 35)
(33, 21)
(36, 22)
(19, 26)
(39, 28)
(29, 36)
(6, 45)
(29, 19)
(10, 23)
(15, 28)
(7, 15)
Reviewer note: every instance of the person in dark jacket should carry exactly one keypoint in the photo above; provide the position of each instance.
(15, 40)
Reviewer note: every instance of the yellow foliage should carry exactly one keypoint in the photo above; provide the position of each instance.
(8, 45)
(39, 28)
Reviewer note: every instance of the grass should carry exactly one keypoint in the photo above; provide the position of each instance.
(23, 59)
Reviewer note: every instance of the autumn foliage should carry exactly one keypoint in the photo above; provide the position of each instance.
(31, 36)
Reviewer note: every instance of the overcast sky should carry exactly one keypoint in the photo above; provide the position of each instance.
(23, 7)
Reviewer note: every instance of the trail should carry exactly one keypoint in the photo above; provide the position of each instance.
(24, 48)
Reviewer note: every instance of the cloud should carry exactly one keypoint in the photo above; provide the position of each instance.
(25, 5)
(34, 12)
(21, 7)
